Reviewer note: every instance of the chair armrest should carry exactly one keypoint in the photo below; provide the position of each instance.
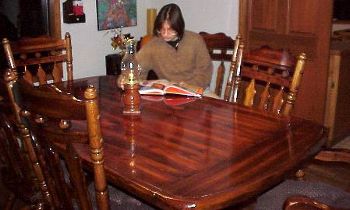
(303, 202)
(334, 155)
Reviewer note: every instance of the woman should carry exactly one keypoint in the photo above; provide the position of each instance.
(174, 53)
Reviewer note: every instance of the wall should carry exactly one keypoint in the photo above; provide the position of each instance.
(91, 46)
(211, 16)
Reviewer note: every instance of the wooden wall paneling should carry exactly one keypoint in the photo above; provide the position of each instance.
(301, 21)
(265, 15)
(306, 44)
(243, 21)
(55, 18)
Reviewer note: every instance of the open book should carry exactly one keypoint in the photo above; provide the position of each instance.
(163, 87)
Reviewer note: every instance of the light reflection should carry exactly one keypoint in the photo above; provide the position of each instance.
(130, 131)
(289, 135)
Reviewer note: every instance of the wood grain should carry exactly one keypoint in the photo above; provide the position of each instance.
(207, 154)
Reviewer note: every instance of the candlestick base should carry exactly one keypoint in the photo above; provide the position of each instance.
(131, 99)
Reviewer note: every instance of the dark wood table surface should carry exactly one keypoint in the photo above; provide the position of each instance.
(204, 154)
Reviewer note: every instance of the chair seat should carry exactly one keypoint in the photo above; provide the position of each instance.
(119, 200)
(274, 199)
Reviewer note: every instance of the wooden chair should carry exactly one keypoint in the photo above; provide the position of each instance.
(28, 179)
(298, 202)
(52, 128)
(277, 69)
(313, 192)
(223, 48)
(326, 157)
(56, 141)
(297, 195)
(40, 59)
(144, 40)
(15, 170)
(269, 79)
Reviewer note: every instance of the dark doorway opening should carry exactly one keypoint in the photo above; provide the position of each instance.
(30, 18)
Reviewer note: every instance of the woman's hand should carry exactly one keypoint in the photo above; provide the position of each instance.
(120, 82)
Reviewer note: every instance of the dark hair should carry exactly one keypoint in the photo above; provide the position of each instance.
(172, 14)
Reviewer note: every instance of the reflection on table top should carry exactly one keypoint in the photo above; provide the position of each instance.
(206, 153)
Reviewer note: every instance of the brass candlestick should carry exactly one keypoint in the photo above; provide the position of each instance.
(130, 74)
(131, 95)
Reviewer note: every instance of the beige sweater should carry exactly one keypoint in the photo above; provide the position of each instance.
(190, 63)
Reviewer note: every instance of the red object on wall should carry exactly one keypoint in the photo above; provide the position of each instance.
(73, 11)
(78, 8)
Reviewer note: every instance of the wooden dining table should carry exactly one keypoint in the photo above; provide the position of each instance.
(195, 153)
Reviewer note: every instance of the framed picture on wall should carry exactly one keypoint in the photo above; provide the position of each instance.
(115, 14)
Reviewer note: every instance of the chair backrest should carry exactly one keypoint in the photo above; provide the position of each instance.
(223, 48)
(269, 79)
(31, 162)
(40, 59)
(16, 173)
(52, 129)
(144, 40)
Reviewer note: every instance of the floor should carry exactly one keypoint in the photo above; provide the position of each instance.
(345, 143)
(337, 175)
(316, 171)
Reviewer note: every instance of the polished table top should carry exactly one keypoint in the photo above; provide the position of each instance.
(204, 154)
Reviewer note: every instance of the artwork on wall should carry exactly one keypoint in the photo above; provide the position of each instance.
(116, 14)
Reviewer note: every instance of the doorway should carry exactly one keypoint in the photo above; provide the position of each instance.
(33, 18)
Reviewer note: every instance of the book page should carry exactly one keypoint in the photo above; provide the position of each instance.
(192, 88)
(146, 90)
(162, 87)
(173, 89)
(149, 83)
